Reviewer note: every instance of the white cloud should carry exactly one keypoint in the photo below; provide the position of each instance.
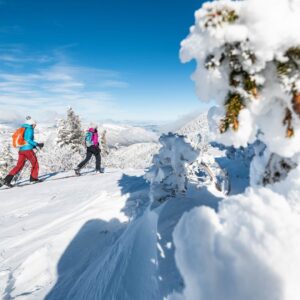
(54, 86)
(16, 55)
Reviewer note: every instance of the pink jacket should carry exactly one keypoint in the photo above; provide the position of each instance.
(95, 137)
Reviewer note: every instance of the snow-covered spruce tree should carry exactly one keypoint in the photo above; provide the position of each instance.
(252, 73)
(66, 151)
(70, 132)
(6, 160)
(247, 55)
(168, 175)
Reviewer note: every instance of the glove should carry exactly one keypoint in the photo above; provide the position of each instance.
(40, 145)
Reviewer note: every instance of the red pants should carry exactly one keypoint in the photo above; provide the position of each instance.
(23, 156)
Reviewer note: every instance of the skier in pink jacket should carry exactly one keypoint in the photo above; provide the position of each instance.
(93, 148)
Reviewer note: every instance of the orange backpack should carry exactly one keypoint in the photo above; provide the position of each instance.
(18, 138)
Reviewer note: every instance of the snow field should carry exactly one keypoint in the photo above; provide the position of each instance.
(37, 227)
(91, 237)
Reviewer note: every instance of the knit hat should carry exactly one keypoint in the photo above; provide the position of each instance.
(30, 121)
(94, 125)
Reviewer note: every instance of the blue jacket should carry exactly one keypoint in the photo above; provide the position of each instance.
(29, 138)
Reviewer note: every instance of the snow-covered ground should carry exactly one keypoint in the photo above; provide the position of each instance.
(53, 232)
(94, 237)
(97, 236)
(87, 237)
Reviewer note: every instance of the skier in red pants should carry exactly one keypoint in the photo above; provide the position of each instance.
(26, 153)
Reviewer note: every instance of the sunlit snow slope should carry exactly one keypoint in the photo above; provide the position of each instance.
(55, 233)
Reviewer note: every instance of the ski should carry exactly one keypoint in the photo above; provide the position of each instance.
(29, 183)
(5, 187)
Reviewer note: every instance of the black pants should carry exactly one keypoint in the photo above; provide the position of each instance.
(92, 150)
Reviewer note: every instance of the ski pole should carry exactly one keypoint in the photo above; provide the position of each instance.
(21, 173)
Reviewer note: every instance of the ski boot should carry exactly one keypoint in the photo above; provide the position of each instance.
(77, 171)
(35, 180)
(99, 171)
(7, 181)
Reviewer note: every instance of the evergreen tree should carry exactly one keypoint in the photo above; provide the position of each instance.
(254, 79)
(6, 160)
(70, 132)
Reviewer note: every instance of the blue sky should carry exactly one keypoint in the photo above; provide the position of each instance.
(109, 59)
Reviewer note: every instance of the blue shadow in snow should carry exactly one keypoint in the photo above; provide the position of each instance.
(94, 241)
(169, 216)
(91, 243)
(137, 190)
(237, 166)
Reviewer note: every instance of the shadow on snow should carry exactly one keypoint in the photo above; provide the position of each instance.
(96, 248)
(132, 261)
(170, 214)
(91, 243)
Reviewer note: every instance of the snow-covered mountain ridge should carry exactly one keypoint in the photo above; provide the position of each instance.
(130, 146)
(120, 135)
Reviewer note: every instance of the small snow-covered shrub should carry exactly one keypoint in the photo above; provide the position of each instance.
(168, 175)
(55, 159)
